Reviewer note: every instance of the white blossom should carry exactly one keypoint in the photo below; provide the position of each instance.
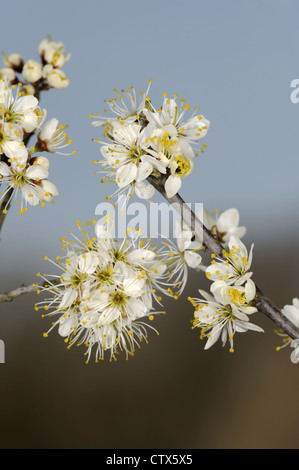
(29, 179)
(127, 161)
(223, 225)
(52, 137)
(11, 141)
(225, 312)
(165, 146)
(189, 131)
(235, 269)
(21, 110)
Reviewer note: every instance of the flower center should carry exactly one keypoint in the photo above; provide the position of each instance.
(2, 137)
(237, 296)
(104, 275)
(166, 142)
(9, 116)
(76, 280)
(19, 179)
(119, 256)
(118, 299)
(135, 153)
(183, 167)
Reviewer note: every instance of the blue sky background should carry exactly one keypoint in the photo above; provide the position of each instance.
(235, 60)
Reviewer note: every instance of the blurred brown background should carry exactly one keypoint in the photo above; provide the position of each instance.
(171, 394)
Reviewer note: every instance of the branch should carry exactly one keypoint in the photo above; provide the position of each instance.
(33, 288)
(263, 304)
(9, 296)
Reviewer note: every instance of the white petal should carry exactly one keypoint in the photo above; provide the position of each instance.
(68, 298)
(88, 262)
(126, 174)
(25, 103)
(140, 256)
(48, 129)
(99, 301)
(143, 171)
(29, 193)
(133, 287)
(236, 242)
(67, 326)
(144, 191)
(192, 259)
(135, 309)
(214, 335)
(172, 185)
(15, 149)
(47, 190)
(228, 220)
(206, 295)
(4, 169)
(250, 290)
(37, 172)
(292, 314)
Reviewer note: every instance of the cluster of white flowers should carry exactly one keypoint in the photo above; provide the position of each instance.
(146, 141)
(39, 75)
(226, 310)
(20, 167)
(106, 290)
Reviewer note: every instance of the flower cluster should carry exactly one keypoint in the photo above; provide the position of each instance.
(38, 75)
(21, 168)
(226, 310)
(145, 141)
(106, 290)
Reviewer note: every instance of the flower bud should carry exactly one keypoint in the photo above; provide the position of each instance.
(10, 73)
(15, 61)
(56, 78)
(43, 45)
(32, 71)
(27, 89)
(54, 55)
